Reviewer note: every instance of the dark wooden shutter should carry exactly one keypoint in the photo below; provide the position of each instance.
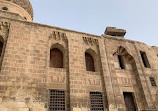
(96, 101)
(145, 59)
(152, 81)
(56, 58)
(89, 62)
(129, 101)
(1, 48)
(121, 62)
(57, 100)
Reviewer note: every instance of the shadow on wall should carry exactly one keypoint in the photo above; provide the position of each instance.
(156, 101)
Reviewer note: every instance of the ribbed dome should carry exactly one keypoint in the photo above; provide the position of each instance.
(24, 4)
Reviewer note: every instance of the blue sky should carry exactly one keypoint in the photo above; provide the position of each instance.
(138, 17)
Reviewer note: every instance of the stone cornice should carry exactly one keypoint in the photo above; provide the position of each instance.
(48, 26)
(122, 39)
(72, 31)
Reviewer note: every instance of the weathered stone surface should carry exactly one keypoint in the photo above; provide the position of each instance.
(16, 9)
(23, 109)
(3, 108)
(77, 109)
(26, 77)
(38, 109)
(113, 31)
(25, 4)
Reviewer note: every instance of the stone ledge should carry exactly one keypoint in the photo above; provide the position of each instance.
(10, 15)
(72, 31)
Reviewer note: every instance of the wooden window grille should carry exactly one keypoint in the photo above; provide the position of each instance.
(96, 101)
(152, 81)
(145, 59)
(121, 62)
(57, 100)
(56, 58)
(89, 62)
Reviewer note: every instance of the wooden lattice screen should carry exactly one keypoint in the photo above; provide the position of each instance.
(57, 100)
(96, 101)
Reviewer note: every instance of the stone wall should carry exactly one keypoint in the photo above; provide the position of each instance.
(26, 76)
(15, 9)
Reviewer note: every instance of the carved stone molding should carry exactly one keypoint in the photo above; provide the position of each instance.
(4, 25)
(91, 41)
(58, 36)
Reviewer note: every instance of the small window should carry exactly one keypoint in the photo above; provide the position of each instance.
(57, 100)
(25, 18)
(113, 35)
(121, 62)
(89, 62)
(145, 59)
(152, 81)
(56, 58)
(1, 48)
(96, 101)
(5, 8)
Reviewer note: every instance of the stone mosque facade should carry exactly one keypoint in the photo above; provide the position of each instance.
(47, 68)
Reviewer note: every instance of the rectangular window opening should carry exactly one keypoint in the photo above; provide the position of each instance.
(121, 62)
(96, 101)
(153, 82)
(57, 100)
(145, 59)
(129, 101)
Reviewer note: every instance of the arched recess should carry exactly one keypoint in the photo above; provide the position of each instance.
(57, 56)
(59, 40)
(1, 45)
(138, 90)
(91, 60)
(124, 57)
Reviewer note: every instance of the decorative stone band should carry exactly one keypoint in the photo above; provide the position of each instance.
(89, 40)
(58, 36)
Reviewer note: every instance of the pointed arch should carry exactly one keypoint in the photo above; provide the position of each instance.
(90, 60)
(123, 55)
(123, 52)
(57, 56)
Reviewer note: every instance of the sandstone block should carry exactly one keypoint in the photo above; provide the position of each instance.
(3, 108)
(38, 109)
(23, 109)
(77, 109)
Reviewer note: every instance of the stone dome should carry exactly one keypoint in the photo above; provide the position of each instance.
(24, 4)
